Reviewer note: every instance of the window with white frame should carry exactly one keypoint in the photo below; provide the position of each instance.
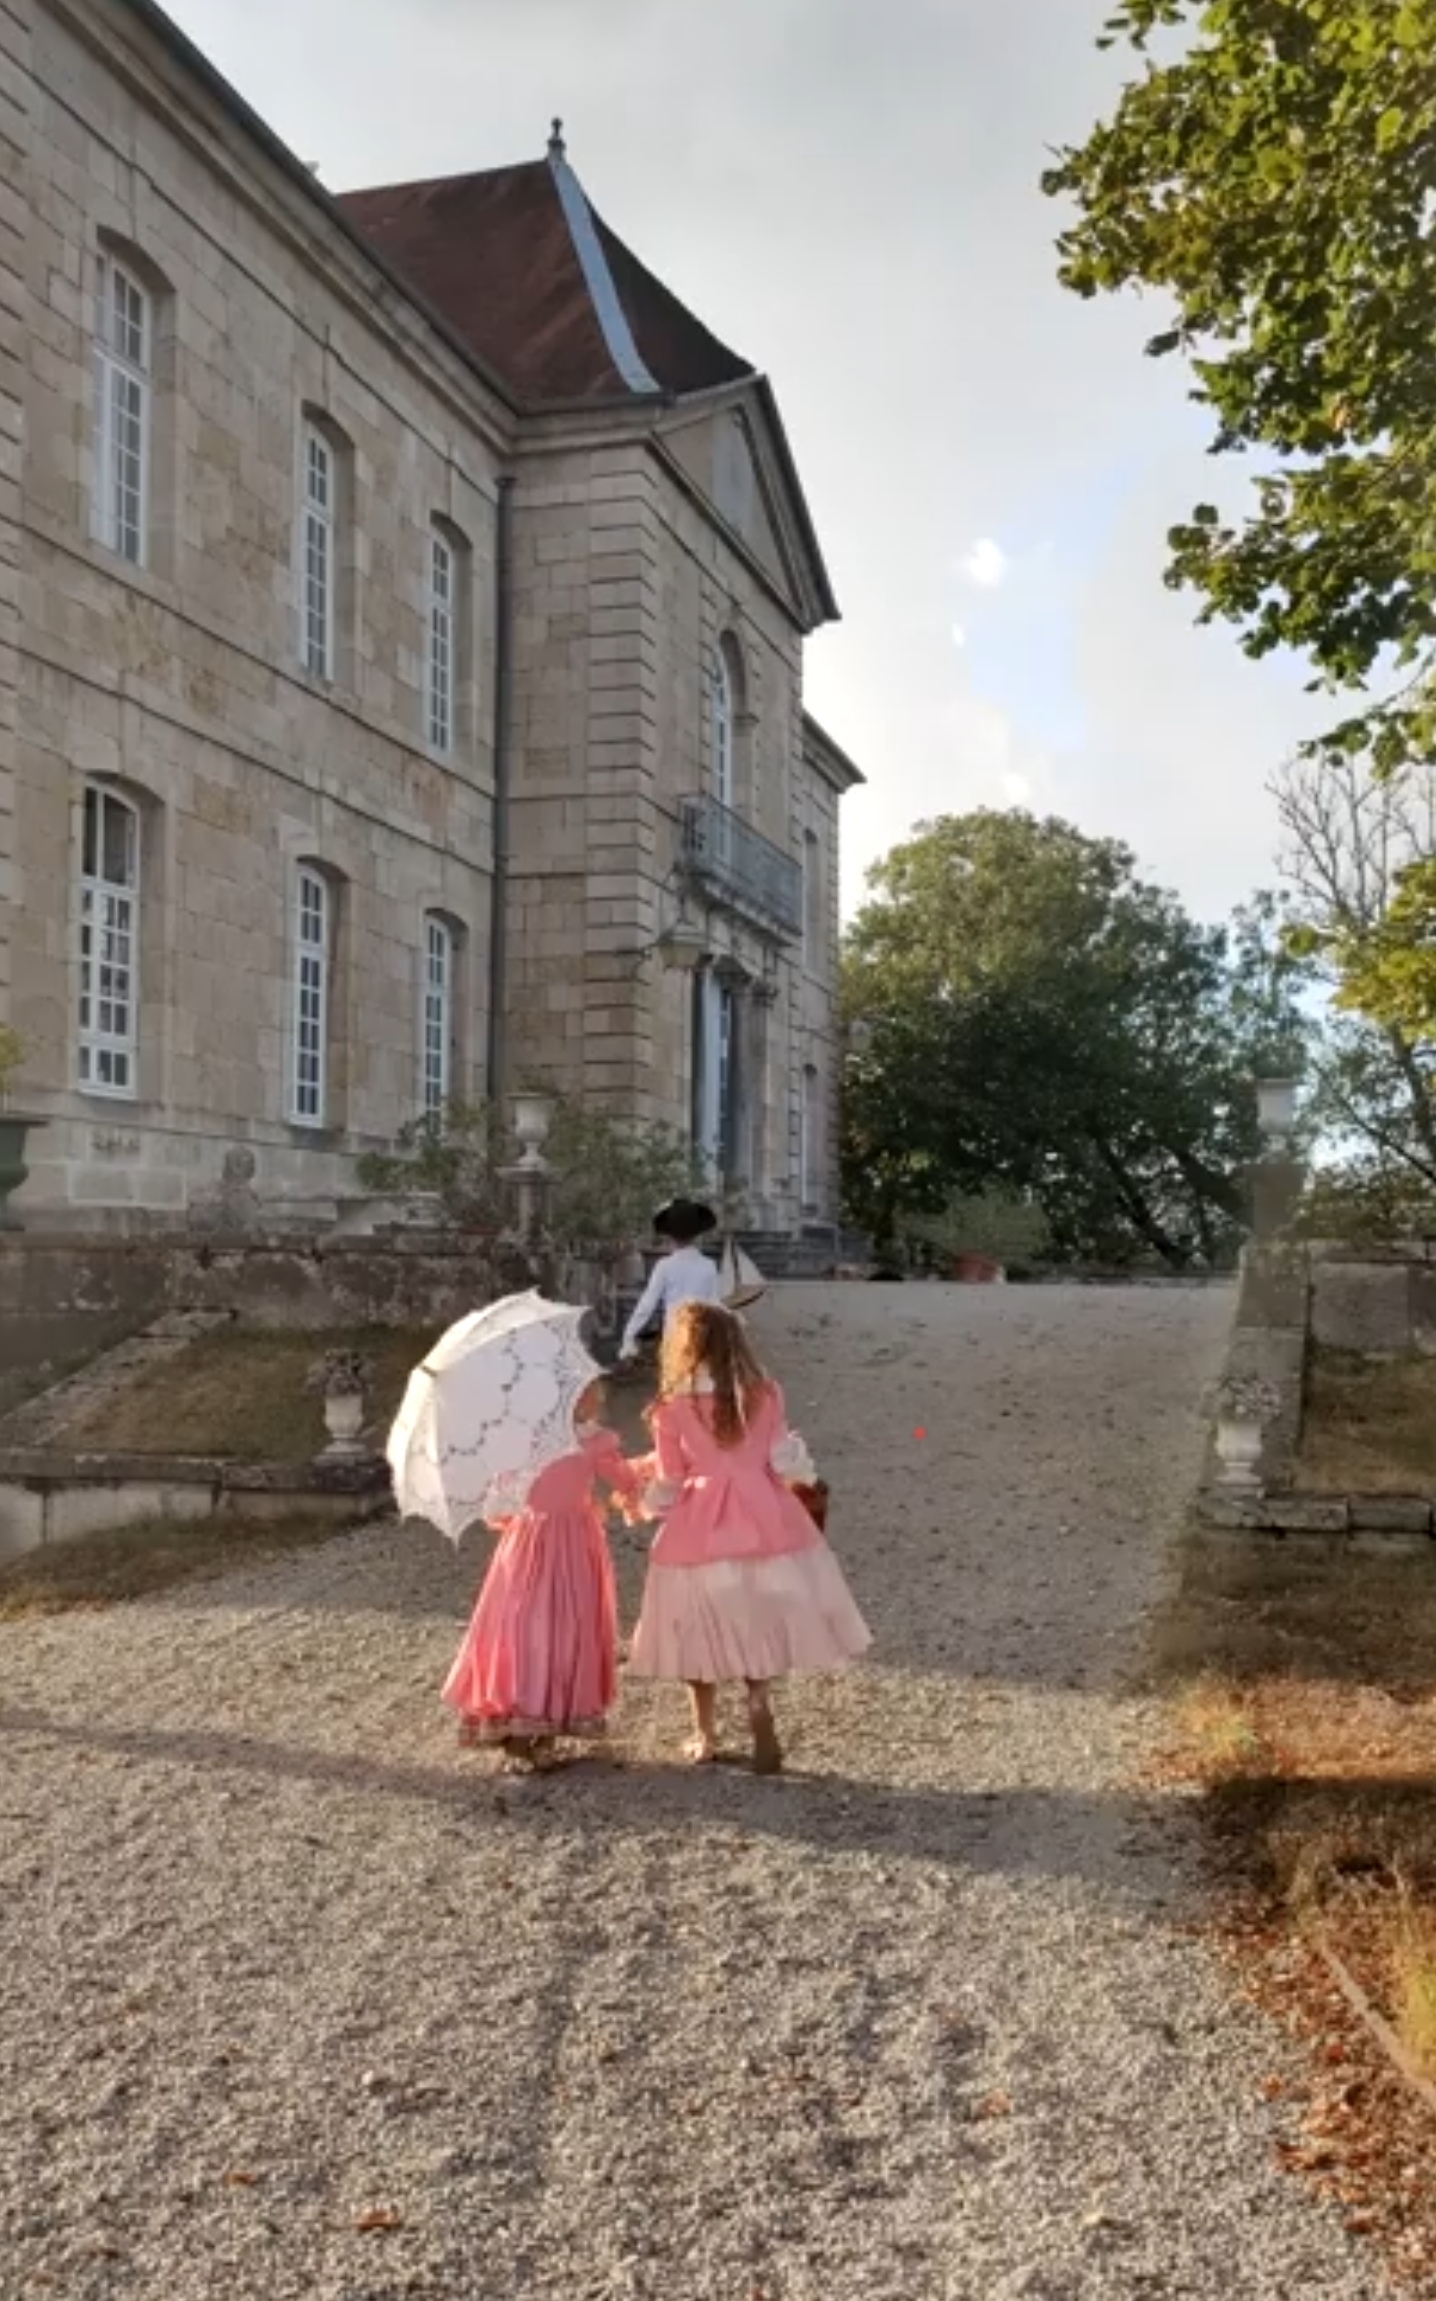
(109, 944)
(124, 351)
(441, 648)
(312, 938)
(436, 1081)
(724, 717)
(317, 558)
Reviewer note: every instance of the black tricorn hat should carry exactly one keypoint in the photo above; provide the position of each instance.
(684, 1219)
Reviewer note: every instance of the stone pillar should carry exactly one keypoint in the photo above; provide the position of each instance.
(1276, 1188)
(529, 1187)
(14, 212)
(744, 1108)
(736, 1149)
(760, 1002)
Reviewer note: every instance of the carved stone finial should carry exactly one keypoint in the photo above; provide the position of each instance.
(557, 148)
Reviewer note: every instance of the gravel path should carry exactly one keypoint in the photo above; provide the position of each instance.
(918, 2022)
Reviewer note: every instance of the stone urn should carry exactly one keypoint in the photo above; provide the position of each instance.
(344, 1381)
(14, 1133)
(1239, 1445)
(533, 1116)
(1244, 1406)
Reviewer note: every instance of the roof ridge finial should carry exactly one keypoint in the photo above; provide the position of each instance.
(557, 149)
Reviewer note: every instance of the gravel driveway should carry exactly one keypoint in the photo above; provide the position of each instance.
(919, 2021)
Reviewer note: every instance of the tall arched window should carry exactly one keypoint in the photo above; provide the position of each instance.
(326, 565)
(318, 574)
(312, 962)
(436, 1081)
(725, 719)
(441, 649)
(124, 381)
(109, 944)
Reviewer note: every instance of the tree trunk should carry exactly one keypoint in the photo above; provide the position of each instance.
(1139, 1214)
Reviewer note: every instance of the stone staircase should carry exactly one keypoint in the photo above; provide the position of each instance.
(783, 1254)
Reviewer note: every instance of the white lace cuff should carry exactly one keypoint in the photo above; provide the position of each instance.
(660, 1496)
(790, 1459)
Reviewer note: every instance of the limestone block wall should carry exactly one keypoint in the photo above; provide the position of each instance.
(586, 835)
(15, 107)
(816, 1044)
(624, 593)
(179, 683)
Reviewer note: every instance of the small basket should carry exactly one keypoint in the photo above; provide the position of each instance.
(814, 1498)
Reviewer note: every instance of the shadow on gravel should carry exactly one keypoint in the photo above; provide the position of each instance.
(1123, 1841)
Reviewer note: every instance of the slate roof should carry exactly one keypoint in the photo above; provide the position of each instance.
(540, 302)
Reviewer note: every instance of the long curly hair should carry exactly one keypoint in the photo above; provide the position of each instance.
(705, 1339)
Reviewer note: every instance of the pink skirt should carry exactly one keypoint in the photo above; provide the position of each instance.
(754, 1618)
(540, 1654)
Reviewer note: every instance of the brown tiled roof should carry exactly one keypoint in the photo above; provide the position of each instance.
(494, 254)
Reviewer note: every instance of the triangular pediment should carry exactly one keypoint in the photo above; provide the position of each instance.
(731, 450)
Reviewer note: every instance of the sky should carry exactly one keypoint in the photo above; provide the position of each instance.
(847, 194)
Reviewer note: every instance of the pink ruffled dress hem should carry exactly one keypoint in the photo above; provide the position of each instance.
(755, 1618)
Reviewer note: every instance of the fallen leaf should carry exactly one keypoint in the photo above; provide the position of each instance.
(242, 2180)
(379, 2217)
(994, 2105)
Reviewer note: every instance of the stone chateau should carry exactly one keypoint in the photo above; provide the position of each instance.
(402, 607)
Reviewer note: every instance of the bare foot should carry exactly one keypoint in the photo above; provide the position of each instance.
(767, 1749)
(700, 1750)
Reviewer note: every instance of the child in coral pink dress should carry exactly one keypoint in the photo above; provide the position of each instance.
(539, 1658)
(741, 1584)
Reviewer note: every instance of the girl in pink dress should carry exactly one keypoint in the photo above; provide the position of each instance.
(539, 1658)
(741, 1584)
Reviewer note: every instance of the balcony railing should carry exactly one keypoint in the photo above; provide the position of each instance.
(740, 869)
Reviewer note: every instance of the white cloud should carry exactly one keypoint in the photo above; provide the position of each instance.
(907, 172)
(987, 564)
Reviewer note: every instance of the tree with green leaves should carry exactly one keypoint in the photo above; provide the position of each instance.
(1350, 843)
(607, 1174)
(1040, 1021)
(1271, 174)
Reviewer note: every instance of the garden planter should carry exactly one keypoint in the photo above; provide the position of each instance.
(976, 1270)
(13, 1170)
(344, 1421)
(533, 1116)
(1239, 1443)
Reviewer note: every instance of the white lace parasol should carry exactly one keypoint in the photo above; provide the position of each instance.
(490, 1408)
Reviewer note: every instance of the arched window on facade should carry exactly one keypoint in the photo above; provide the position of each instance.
(325, 576)
(725, 725)
(312, 987)
(108, 1038)
(439, 1017)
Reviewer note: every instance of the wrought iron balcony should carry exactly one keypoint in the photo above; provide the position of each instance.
(739, 869)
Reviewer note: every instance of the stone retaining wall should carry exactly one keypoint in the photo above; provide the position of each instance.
(48, 1497)
(1294, 1295)
(1383, 1305)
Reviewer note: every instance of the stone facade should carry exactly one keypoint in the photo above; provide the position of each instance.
(234, 847)
(15, 86)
